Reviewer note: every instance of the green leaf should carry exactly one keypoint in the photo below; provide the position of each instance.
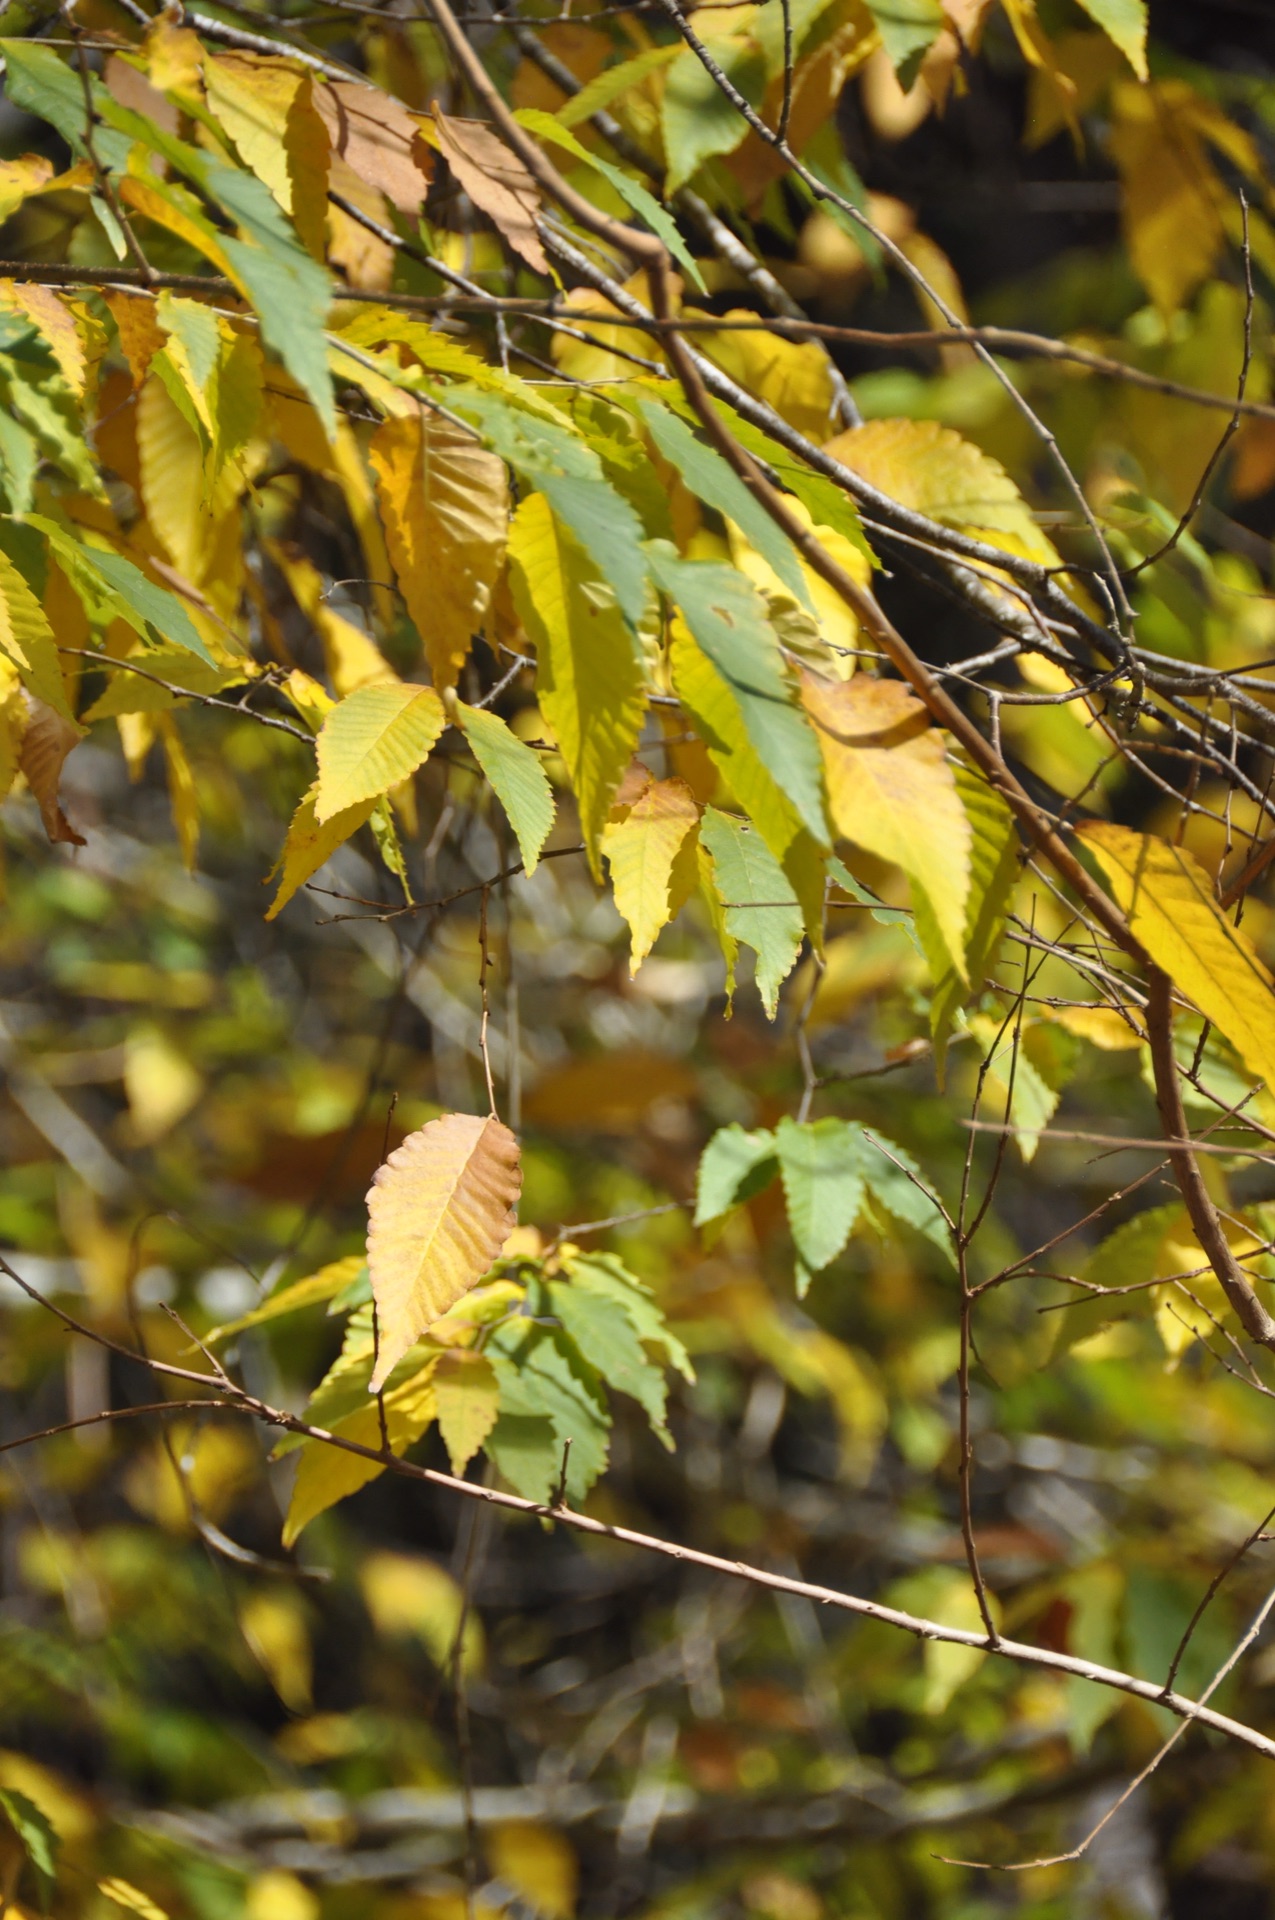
(821, 1166)
(636, 197)
(542, 1374)
(708, 476)
(38, 82)
(761, 908)
(606, 1273)
(515, 775)
(733, 1167)
(727, 617)
(908, 30)
(526, 1451)
(569, 474)
(35, 1831)
(1125, 23)
(112, 588)
(886, 1167)
(371, 740)
(994, 869)
(27, 638)
(698, 119)
(591, 680)
(599, 92)
(605, 1335)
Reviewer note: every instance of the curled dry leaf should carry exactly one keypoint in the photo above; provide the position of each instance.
(496, 181)
(378, 139)
(439, 1211)
(47, 738)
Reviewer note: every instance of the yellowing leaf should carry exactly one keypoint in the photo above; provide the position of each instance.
(160, 1083)
(27, 638)
(370, 741)
(1125, 23)
(171, 456)
(266, 106)
(439, 1211)
(54, 319)
(276, 1895)
(378, 139)
(1169, 904)
(309, 844)
(408, 1595)
(795, 378)
(538, 1864)
(124, 1894)
(590, 681)
(468, 1396)
(838, 627)
(326, 1474)
(641, 850)
(274, 1625)
(445, 504)
(515, 775)
(933, 470)
(183, 794)
(47, 738)
(892, 791)
(351, 656)
(497, 182)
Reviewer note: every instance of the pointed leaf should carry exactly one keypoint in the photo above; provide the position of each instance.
(439, 1211)
(590, 679)
(326, 1474)
(760, 907)
(34, 1829)
(994, 868)
(604, 1334)
(734, 1166)
(445, 505)
(908, 30)
(892, 791)
(371, 740)
(642, 850)
(820, 1164)
(1125, 23)
(515, 776)
(468, 1396)
(1170, 907)
(323, 1285)
(47, 738)
(379, 140)
(27, 639)
(497, 182)
(310, 843)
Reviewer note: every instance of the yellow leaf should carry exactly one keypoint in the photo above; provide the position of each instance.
(445, 504)
(892, 791)
(406, 1594)
(371, 740)
(27, 638)
(439, 1211)
(538, 1864)
(276, 1895)
(326, 1474)
(160, 1084)
(171, 457)
(183, 795)
(266, 106)
(124, 1894)
(47, 738)
(641, 850)
(838, 627)
(794, 378)
(42, 307)
(590, 680)
(1169, 903)
(933, 470)
(468, 1395)
(352, 657)
(140, 335)
(309, 844)
(274, 1625)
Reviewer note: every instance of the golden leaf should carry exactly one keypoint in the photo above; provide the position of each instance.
(793, 378)
(642, 850)
(892, 791)
(371, 740)
(326, 1474)
(468, 1396)
(439, 1211)
(496, 181)
(539, 1864)
(445, 504)
(1166, 896)
(266, 106)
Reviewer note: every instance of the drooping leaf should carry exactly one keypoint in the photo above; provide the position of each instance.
(35, 1831)
(444, 501)
(439, 1211)
(310, 843)
(821, 1166)
(267, 107)
(326, 1474)
(994, 868)
(26, 638)
(497, 182)
(606, 1273)
(894, 1179)
(908, 30)
(378, 139)
(468, 1396)
(590, 677)
(1169, 904)
(642, 850)
(711, 480)
(122, 1893)
(326, 1284)
(760, 907)
(47, 738)
(733, 1167)
(893, 793)
(604, 1334)
(605, 86)
(1124, 22)
(698, 120)
(544, 1377)
(727, 618)
(515, 775)
(370, 741)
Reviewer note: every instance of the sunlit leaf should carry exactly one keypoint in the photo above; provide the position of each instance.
(516, 776)
(370, 741)
(641, 850)
(468, 1399)
(761, 908)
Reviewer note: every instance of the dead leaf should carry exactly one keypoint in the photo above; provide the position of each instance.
(378, 139)
(46, 740)
(496, 181)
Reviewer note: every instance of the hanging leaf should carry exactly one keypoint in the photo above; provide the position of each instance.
(734, 1166)
(908, 30)
(1166, 896)
(326, 1284)
(445, 504)
(47, 738)
(27, 639)
(439, 1211)
(327, 1474)
(642, 850)
(1125, 23)
(698, 120)
(515, 775)
(497, 182)
(995, 864)
(467, 1393)
(309, 844)
(760, 907)
(820, 1164)
(378, 139)
(267, 107)
(590, 677)
(122, 1893)
(893, 793)
(370, 741)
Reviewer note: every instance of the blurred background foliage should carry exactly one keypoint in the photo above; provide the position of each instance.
(195, 1101)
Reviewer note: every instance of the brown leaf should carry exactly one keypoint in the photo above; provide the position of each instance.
(46, 740)
(496, 181)
(378, 139)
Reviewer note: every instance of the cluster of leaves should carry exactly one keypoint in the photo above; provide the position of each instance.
(360, 515)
